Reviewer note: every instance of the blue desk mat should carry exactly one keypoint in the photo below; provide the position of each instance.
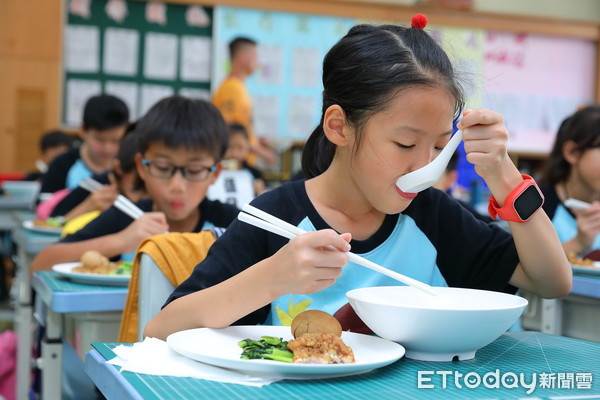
(524, 353)
(59, 283)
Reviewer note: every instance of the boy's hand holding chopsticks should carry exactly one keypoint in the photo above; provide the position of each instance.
(149, 224)
(103, 197)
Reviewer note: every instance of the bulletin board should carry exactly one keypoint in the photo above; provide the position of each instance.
(138, 51)
(286, 89)
(533, 80)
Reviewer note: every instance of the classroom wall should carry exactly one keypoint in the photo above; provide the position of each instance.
(30, 73)
(30, 55)
(584, 10)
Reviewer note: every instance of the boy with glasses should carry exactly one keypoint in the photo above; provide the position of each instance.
(180, 142)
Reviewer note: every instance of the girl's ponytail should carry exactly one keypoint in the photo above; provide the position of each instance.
(317, 154)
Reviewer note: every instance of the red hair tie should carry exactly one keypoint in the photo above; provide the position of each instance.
(419, 21)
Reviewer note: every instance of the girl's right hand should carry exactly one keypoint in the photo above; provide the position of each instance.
(588, 225)
(149, 224)
(310, 262)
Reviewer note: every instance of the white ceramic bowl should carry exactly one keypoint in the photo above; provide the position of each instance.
(452, 325)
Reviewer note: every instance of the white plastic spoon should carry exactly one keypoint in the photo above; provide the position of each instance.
(427, 176)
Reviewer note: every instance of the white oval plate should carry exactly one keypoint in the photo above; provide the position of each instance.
(65, 269)
(29, 225)
(220, 347)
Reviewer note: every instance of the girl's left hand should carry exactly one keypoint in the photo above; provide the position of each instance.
(588, 225)
(485, 138)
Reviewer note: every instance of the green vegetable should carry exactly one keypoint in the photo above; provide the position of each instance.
(123, 269)
(58, 222)
(268, 347)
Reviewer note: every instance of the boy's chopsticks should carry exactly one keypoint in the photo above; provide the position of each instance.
(254, 216)
(122, 202)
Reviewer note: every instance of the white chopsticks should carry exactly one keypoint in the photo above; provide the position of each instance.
(122, 202)
(254, 216)
(576, 204)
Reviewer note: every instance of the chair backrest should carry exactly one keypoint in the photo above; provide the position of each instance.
(154, 289)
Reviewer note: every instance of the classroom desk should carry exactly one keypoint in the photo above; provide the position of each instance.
(528, 353)
(29, 244)
(61, 296)
(8, 207)
(552, 311)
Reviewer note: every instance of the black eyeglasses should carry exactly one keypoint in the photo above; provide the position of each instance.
(166, 170)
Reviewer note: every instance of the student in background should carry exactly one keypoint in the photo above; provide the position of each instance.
(180, 143)
(105, 120)
(447, 183)
(238, 150)
(52, 144)
(233, 100)
(573, 171)
(121, 179)
(389, 101)
(238, 183)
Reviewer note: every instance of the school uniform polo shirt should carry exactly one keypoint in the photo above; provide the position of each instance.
(435, 240)
(66, 171)
(563, 219)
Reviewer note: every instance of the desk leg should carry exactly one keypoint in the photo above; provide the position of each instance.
(24, 324)
(552, 316)
(24, 316)
(52, 357)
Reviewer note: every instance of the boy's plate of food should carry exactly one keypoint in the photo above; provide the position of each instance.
(313, 356)
(52, 225)
(95, 269)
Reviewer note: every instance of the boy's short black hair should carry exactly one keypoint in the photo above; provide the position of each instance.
(105, 112)
(55, 139)
(237, 129)
(128, 149)
(179, 122)
(238, 43)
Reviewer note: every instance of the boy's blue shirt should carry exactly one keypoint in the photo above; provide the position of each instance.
(78, 172)
(55, 178)
(435, 240)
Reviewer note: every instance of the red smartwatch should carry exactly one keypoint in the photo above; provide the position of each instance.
(520, 204)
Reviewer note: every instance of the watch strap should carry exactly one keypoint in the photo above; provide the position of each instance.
(508, 212)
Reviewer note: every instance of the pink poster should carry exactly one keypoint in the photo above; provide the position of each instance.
(541, 65)
(535, 82)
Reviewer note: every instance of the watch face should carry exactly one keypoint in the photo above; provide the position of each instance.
(528, 202)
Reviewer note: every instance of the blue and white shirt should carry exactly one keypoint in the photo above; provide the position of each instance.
(434, 240)
(563, 219)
